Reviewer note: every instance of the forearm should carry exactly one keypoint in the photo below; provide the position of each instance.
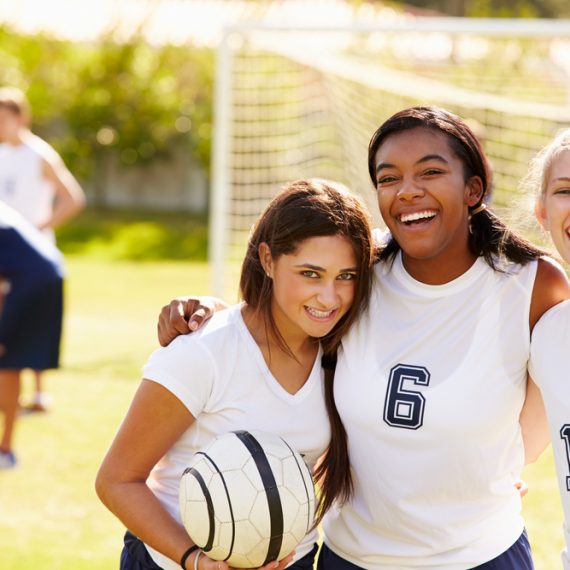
(69, 196)
(134, 504)
(64, 209)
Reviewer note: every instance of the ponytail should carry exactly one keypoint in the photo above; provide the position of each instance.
(490, 238)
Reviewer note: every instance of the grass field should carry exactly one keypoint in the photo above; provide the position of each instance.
(50, 517)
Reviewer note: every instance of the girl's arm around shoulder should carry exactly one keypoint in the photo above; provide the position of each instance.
(551, 287)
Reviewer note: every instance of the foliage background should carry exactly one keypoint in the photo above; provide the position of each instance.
(498, 8)
(131, 99)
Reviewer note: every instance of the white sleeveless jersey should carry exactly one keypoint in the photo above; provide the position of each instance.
(430, 384)
(22, 183)
(550, 369)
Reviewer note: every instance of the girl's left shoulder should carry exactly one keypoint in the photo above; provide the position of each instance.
(551, 287)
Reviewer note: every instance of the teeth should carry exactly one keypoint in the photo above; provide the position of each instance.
(417, 216)
(320, 314)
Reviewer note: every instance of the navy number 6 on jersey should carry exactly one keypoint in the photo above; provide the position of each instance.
(403, 407)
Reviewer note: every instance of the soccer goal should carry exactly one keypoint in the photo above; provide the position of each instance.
(303, 102)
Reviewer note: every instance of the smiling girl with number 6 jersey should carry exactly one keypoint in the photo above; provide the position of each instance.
(431, 381)
(549, 179)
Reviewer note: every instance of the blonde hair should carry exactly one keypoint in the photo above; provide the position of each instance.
(16, 101)
(534, 183)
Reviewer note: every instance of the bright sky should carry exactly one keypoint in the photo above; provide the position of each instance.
(174, 21)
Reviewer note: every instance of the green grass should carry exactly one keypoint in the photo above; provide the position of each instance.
(50, 517)
(135, 235)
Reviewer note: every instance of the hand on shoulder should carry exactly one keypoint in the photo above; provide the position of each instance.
(184, 315)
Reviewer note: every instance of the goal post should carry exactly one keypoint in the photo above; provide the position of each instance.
(303, 103)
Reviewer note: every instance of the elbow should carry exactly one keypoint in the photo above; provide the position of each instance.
(103, 486)
(79, 202)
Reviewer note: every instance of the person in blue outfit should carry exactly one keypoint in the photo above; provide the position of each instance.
(32, 275)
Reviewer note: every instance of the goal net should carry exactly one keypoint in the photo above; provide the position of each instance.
(300, 103)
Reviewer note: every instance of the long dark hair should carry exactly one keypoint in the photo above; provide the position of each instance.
(302, 210)
(489, 237)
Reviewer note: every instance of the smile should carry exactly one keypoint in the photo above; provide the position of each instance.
(416, 216)
(320, 314)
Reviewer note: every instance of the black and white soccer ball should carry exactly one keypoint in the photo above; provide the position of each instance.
(248, 499)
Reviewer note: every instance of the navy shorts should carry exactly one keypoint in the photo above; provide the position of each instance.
(30, 325)
(517, 557)
(136, 557)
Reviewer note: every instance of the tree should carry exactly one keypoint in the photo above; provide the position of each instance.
(498, 8)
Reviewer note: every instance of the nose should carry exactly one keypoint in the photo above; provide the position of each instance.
(327, 295)
(409, 189)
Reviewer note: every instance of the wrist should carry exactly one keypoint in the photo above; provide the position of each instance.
(184, 558)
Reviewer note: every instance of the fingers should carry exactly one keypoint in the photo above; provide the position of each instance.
(522, 487)
(285, 562)
(274, 565)
(209, 564)
(204, 308)
(172, 320)
(279, 565)
(183, 315)
(197, 318)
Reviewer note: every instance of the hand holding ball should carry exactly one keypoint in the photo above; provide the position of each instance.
(247, 499)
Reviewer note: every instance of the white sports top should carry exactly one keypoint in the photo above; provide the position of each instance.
(22, 183)
(429, 385)
(550, 369)
(220, 375)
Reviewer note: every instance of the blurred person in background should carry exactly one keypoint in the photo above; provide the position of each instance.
(35, 182)
(30, 314)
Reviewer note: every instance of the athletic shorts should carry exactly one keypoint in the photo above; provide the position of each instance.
(30, 326)
(517, 557)
(136, 557)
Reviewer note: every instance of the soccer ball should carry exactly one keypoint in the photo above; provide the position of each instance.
(248, 498)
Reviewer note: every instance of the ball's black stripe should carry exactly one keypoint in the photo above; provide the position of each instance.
(210, 506)
(271, 492)
(309, 521)
(231, 549)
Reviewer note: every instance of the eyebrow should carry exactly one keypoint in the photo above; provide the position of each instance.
(317, 268)
(562, 179)
(425, 158)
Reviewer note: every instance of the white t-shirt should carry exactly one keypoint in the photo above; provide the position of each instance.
(23, 185)
(550, 369)
(220, 375)
(430, 383)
